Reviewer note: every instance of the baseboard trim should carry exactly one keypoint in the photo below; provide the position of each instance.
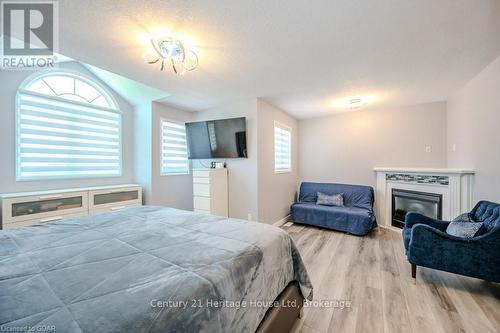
(390, 227)
(284, 220)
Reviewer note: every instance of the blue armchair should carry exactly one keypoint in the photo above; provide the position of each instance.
(427, 244)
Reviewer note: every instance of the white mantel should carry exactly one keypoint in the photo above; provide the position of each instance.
(455, 186)
(439, 171)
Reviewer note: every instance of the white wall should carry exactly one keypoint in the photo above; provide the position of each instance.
(243, 180)
(474, 128)
(345, 148)
(276, 191)
(10, 82)
(169, 190)
(143, 127)
(254, 188)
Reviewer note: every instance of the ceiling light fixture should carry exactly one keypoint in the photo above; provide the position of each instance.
(169, 50)
(355, 103)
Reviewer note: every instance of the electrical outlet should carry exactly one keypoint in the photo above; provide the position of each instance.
(428, 149)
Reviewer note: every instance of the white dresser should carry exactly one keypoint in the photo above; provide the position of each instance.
(19, 209)
(210, 191)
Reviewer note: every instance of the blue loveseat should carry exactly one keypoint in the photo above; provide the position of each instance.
(427, 244)
(355, 217)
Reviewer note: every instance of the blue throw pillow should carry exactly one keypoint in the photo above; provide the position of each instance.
(330, 200)
(465, 217)
(463, 229)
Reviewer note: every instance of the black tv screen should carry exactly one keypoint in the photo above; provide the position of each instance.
(224, 138)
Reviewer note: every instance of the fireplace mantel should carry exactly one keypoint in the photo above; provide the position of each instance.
(455, 185)
(426, 170)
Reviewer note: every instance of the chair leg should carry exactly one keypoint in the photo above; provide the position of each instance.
(414, 273)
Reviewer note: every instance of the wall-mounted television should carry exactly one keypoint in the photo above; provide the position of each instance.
(223, 138)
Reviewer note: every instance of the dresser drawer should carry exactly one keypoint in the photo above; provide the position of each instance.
(202, 211)
(202, 203)
(201, 173)
(197, 180)
(202, 190)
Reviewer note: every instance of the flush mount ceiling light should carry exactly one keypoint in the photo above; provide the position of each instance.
(355, 103)
(170, 50)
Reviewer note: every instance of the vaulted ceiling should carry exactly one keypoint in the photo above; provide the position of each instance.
(301, 55)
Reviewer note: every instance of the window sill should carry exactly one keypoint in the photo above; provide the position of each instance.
(175, 174)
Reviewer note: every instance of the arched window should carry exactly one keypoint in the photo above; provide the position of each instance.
(67, 126)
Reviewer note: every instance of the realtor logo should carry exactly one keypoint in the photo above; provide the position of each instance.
(29, 34)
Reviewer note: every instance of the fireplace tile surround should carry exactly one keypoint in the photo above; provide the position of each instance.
(454, 185)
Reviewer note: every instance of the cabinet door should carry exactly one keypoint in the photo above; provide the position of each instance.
(43, 206)
(102, 200)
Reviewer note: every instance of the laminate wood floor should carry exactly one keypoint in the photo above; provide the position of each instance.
(373, 274)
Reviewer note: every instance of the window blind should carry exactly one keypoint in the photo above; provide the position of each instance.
(173, 148)
(282, 148)
(60, 138)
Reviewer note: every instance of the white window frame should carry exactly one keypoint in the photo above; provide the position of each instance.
(77, 75)
(162, 173)
(289, 129)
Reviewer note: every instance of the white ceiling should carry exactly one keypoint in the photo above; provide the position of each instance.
(300, 55)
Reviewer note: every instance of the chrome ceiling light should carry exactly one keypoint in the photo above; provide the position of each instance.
(172, 51)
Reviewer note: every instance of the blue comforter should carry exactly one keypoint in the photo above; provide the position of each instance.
(145, 269)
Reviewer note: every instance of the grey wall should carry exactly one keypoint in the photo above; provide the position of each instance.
(276, 191)
(169, 190)
(10, 82)
(474, 129)
(254, 188)
(143, 141)
(243, 180)
(346, 147)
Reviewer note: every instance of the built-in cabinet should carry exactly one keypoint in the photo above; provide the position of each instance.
(19, 209)
(210, 191)
(109, 199)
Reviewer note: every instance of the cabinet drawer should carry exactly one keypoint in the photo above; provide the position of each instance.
(197, 180)
(42, 220)
(43, 206)
(201, 173)
(112, 209)
(202, 190)
(201, 203)
(120, 197)
(203, 211)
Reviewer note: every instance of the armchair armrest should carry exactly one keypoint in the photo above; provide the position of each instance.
(413, 218)
(421, 233)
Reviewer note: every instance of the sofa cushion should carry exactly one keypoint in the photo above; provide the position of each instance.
(464, 229)
(353, 195)
(330, 200)
(354, 220)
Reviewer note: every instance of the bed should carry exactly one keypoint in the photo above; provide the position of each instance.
(147, 269)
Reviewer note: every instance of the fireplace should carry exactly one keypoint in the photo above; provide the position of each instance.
(404, 201)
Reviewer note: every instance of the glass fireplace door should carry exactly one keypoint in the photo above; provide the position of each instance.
(403, 202)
